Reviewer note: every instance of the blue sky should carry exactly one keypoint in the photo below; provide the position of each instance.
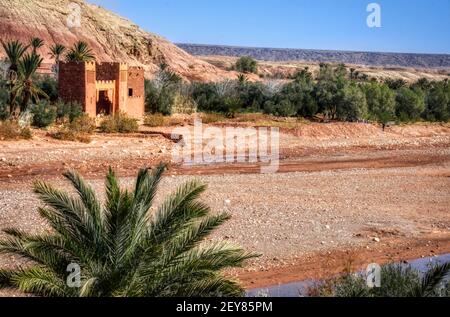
(414, 26)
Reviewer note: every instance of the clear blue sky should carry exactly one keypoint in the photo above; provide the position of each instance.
(415, 26)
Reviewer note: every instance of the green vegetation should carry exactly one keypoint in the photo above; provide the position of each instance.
(333, 94)
(396, 281)
(124, 247)
(11, 130)
(80, 52)
(119, 123)
(246, 65)
(44, 114)
(79, 129)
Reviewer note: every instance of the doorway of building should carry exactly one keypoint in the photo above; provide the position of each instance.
(104, 103)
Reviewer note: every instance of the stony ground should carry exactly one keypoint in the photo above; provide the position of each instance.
(393, 198)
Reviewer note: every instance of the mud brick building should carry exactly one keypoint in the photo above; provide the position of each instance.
(103, 88)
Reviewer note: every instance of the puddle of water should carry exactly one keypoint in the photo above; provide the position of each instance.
(297, 289)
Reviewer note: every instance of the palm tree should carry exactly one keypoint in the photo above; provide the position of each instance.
(124, 247)
(80, 52)
(28, 66)
(36, 43)
(14, 51)
(56, 51)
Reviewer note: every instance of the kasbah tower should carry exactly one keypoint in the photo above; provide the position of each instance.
(103, 88)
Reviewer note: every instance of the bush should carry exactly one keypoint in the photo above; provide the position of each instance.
(68, 111)
(119, 123)
(246, 64)
(396, 281)
(4, 96)
(209, 118)
(43, 113)
(410, 104)
(49, 86)
(438, 102)
(380, 101)
(353, 105)
(79, 130)
(154, 120)
(11, 130)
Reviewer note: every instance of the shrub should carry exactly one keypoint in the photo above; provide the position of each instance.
(11, 130)
(380, 101)
(49, 86)
(410, 103)
(79, 130)
(119, 123)
(210, 117)
(353, 105)
(183, 104)
(438, 102)
(68, 111)
(43, 113)
(397, 281)
(246, 64)
(154, 120)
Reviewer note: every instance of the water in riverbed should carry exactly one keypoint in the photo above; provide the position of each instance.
(297, 289)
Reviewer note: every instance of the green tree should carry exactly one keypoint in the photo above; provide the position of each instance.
(246, 65)
(14, 51)
(410, 103)
(353, 105)
(28, 66)
(438, 102)
(122, 247)
(56, 52)
(36, 43)
(330, 89)
(161, 92)
(80, 52)
(380, 101)
(300, 94)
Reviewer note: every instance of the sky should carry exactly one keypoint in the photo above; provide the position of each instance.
(414, 26)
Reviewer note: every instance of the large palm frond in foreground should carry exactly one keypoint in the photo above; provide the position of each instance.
(124, 247)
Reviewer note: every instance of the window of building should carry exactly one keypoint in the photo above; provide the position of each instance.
(130, 92)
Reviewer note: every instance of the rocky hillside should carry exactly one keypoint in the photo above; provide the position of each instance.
(112, 37)
(357, 58)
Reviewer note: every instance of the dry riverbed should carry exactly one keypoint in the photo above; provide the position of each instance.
(338, 199)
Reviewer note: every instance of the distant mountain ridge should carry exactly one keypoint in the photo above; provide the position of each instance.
(330, 56)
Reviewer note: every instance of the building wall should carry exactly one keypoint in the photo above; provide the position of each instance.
(71, 82)
(136, 103)
(91, 90)
(80, 82)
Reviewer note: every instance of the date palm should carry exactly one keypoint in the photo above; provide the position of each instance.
(56, 51)
(124, 247)
(14, 51)
(80, 52)
(36, 43)
(28, 66)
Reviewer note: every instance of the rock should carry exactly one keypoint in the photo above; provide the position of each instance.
(376, 239)
(227, 202)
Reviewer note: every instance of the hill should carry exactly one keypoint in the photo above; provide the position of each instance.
(347, 57)
(112, 37)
